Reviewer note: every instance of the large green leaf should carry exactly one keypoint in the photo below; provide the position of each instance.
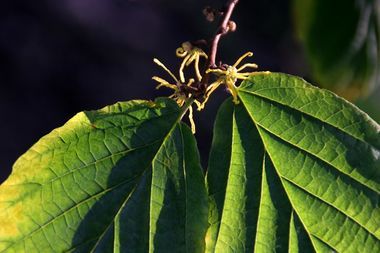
(342, 42)
(293, 168)
(126, 178)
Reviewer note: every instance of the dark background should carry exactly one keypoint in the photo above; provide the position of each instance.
(61, 57)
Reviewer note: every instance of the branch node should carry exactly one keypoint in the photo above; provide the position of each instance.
(226, 25)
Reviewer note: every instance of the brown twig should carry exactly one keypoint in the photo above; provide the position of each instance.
(222, 30)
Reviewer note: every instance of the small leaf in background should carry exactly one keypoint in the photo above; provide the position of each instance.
(126, 178)
(342, 43)
(293, 168)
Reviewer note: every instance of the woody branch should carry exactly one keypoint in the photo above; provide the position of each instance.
(225, 26)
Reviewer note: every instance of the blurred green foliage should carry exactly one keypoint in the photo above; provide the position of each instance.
(341, 42)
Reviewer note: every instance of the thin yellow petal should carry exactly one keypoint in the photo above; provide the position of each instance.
(180, 52)
(192, 57)
(192, 123)
(197, 72)
(181, 74)
(167, 85)
(165, 68)
(159, 79)
(246, 73)
(190, 82)
(164, 83)
(248, 54)
(200, 105)
(248, 65)
(213, 86)
(203, 54)
(217, 71)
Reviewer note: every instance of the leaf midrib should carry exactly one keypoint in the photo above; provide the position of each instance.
(329, 204)
(307, 151)
(185, 182)
(359, 139)
(80, 168)
(118, 212)
(101, 193)
(227, 181)
(319, 158)
(105, 117)
(281, 177)
(182, 112)
(260, 126)
(283, 187)
(70, 172)
(260, 201)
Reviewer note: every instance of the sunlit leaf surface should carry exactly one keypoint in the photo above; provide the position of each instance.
(125, 178)
(293, 168)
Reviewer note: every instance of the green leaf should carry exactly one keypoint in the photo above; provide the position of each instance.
(125, 178)
(342, 43)
(293, 168)
(371, 104)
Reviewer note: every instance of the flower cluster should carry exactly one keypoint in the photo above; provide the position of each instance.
(228, 75)
(190, 54)
(225, 74)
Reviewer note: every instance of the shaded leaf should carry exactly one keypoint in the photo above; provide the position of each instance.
(371, 104)
(299, 171)
(113, 180)
(342, 43)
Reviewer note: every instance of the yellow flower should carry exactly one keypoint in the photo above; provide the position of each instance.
(229, 76)
(190, 54)
(178, 96)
